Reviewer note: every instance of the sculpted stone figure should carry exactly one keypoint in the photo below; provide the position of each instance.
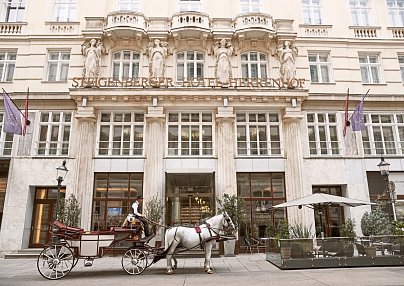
(92, 61)
(157, 55)
(222, 51)
(287, 56)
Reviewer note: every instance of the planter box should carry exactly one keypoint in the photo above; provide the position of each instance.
(370, 251)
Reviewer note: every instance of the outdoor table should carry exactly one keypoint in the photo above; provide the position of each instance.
(383, 245)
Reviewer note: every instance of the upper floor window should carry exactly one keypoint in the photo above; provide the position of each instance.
(401, 63)
(312, 12)
(190, 134)
(65, 10)
(6, 139)
(254, 65)
(121, 133)
(54, 133)
(14, 10)
(323, 135)
(189, 65)
(320, 67)
(190, 5)
(250, 6)
(258, 134)
(370, 68)
(360, 11)
(396, 12)
(7, 65)
(125, 64)
(129, 5)
(384, 134)
(58, 66)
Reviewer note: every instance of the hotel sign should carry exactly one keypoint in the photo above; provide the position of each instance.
(167, 82)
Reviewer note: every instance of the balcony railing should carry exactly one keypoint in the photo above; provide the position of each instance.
(253, 21)
(315, 30)
(12, 28)
(365, 32)
(63, 27)
(192, 20)
(397, 32)
(125, 19)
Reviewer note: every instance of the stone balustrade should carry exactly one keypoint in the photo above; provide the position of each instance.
(253, 20)
(63, 27)
(190, 19)
(315, 30)
(12, 28)
(398, 33)
(365, 32)
(124, 19)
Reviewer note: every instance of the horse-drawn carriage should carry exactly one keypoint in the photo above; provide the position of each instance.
(71, 244)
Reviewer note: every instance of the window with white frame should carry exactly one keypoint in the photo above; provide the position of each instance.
(189, 65)
(121, 134)
(58, 66)
(254, 65)
(129, 5)
(322, 133)
(370, 68)
(250, 6)
(396, 12)
(320, 67)
(401, 63)
(360, 12)
(258, 134)
(65, 10)
(13, 10)
(125, 64)
(54, 133)
(384, 134)
(190, 134)
(6, 139)
(312, 12)
(190, 5)
(7, 65)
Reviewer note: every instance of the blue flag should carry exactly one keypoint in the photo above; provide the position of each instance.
(13, 119)
(358, 118)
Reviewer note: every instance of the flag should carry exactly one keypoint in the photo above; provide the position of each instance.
(13, 118)
(26, 121)
(358, 118)
(346, 121)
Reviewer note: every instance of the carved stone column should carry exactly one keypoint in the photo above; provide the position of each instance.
(84, 173)
(154, 152)
(294, 162)
(226, 169)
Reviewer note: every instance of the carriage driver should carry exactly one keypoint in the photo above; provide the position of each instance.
(137, 214)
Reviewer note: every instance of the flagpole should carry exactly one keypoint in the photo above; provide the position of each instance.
(6, 94)
(360, 101)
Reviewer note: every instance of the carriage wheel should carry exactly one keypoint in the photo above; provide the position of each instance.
(134, 261)
(55, 261)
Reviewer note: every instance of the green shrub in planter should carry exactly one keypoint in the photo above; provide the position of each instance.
(70, 211)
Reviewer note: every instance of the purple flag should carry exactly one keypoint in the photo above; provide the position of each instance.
(358, 118)
(12, 122)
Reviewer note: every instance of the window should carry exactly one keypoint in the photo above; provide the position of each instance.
(121, 133)
(190, 134)
(322, 132)
(54, 133)
(396, 12)
(125, 64)
(190, 5)
(7, 65)
(370, 68)
(384, 134)
(254, 65)
(312, 12)
(129, 5)
(6, 139)
(65, 10)
(58, 66)
(401, 63)
(258, 134)
(189, 65)
(320, 67)
(114, 194)
(248, 6)
(360, 11)
(14, 10)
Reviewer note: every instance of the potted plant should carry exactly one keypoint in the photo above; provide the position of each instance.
(280, 231)
(234, 207)
(70, 211)
(154, 211)
(348, 229)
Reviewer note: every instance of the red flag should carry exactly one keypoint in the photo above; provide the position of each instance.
(346, 121)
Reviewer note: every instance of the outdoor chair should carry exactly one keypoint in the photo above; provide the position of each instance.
(360, 248)
(251, 244)
(347, 251)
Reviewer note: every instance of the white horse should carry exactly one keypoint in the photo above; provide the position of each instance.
(204, 236)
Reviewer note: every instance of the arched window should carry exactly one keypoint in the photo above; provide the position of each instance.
(254, 65)
(189, 65)
(125, 64)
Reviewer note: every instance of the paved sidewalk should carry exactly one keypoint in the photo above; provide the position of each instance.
(244, 269)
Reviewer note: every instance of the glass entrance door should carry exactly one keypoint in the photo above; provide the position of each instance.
(190, 198)
(43, 214)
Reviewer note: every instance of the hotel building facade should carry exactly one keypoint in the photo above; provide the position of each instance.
(186, 100)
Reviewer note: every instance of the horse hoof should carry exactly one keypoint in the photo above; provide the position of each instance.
(170, 272)
(209, 271)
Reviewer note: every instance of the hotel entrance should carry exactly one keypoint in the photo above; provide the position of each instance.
(190, 198)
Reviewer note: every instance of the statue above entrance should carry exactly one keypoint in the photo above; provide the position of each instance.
(157, 57)
(92, 52)
(287, 56)
(223, 51)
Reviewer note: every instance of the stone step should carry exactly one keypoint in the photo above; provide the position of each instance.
(24, 254)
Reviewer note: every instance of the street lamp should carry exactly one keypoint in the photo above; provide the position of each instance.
(61, 173)
(384, 171)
